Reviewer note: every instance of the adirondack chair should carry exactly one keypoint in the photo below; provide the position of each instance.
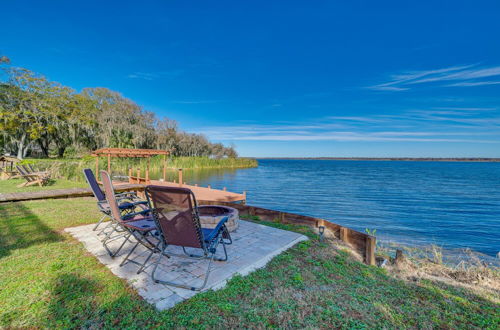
(31, 177)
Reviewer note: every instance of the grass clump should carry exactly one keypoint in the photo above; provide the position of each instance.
(47, 279)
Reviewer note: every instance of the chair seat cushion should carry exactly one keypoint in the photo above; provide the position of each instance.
(142, 224)
(209, 234)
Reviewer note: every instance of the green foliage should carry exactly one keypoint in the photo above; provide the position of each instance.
(51, 120)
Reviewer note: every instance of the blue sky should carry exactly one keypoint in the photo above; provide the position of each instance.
(283, 78)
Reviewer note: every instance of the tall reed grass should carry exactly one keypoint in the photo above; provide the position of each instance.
(71, 169)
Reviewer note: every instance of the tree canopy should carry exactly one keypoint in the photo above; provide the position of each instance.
(44, 118)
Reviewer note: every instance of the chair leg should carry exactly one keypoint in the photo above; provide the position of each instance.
(121, 246)
(192, 288)
(129, 253)
(141, 240)
(99, 222)
(225, 251)
(226, 235)
(145, 262)
(107, 239)
(102, 231)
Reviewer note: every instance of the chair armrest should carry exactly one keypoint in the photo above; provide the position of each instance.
(218, 229)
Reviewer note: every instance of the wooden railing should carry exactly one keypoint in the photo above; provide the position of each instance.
(362, 243)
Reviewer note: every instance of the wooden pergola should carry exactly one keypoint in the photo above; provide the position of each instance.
(7, 162)
(129, 153)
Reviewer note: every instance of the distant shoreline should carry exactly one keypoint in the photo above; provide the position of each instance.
(410, 159)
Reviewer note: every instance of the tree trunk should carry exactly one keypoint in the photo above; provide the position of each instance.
(44, 145)
(20, 147)
(26, 149)
(60, 151)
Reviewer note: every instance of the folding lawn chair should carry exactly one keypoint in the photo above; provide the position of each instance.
(175, 212)
(127, 202)
(139, 225)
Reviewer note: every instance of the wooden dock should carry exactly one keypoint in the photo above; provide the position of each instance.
(206, 193)
(62, 193)
(201, 193)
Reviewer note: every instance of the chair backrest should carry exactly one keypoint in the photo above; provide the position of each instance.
(31, 168)
(96, 190)
(109, 191)
(24, 173)
(26, 169)
(176, 215)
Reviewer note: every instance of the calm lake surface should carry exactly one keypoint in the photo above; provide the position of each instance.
(450, 204)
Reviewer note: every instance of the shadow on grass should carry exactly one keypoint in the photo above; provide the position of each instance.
(78, 301)
(72, 302)
(20, 228)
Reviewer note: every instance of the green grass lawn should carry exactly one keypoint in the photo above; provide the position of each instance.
(10, 186)
(47, 279)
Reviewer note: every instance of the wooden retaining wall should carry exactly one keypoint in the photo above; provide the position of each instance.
(362, 243)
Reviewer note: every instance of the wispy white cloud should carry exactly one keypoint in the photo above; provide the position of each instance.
(142, 75)
(466, 75)
(154, 75)
(471, 84)
(477, 109)
(430, 125)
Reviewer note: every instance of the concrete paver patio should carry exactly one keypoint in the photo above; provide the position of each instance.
(253, 246)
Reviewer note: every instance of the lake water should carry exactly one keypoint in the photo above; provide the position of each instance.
(450, 204)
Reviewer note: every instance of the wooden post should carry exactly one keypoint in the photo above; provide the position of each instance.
(370, 250)
(109, 164)
(138, 175)
(97, 165)
(180, 177)
(164, 167)
(130, 180)
(400, 258)
(344, 234)
(147, 169)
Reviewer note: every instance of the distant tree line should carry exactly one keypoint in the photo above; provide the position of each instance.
(43, 117)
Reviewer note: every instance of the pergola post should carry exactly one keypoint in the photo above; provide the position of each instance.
(180, 177)
(109, 164)
(164, 167)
